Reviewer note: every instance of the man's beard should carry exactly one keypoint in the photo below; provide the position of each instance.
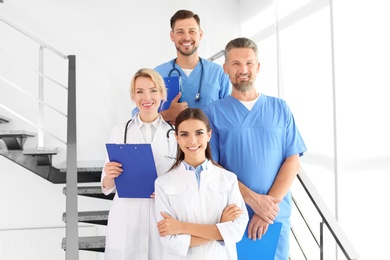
(243, 86)
(187, 53)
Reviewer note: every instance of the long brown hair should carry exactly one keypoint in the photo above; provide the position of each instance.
(186, 114)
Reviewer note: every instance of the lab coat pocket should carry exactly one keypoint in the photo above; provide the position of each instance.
(175, 189)
(178, 199)
(218, 195)
(219, 186)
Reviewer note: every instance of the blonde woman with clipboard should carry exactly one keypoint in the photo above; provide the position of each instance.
(132, 230)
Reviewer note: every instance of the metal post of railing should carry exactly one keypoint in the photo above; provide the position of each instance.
(322, 240)
(41, 142)
(72, 240)
(334, 100)
(327, 218)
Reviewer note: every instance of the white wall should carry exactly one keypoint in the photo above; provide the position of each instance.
(362, 56)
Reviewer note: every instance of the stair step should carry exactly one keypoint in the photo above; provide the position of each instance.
(42, 154)
(86, 174)
(93, 243)
(4, 120)
(88, 171)
(47, 171)
(92, 217)
(14, 139)
(41, 151)
(15, 133)
(92, 191)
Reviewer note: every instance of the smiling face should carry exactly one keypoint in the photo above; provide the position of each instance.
(192, 138)
(242, 67)
(147, 98)
(186, 35)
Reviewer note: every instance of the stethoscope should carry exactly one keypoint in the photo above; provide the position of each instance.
(169, 132)
(175, 70)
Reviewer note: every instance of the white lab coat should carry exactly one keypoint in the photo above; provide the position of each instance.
(177, 193)
(132, 228)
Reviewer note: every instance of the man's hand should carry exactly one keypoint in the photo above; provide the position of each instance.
(174, 109)
(266, 207)
(257, 227)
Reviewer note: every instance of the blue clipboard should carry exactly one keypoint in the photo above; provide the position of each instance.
(263, 249)
(139, 170)
(173, 88)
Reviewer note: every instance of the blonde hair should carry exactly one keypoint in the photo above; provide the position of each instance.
(154, 76)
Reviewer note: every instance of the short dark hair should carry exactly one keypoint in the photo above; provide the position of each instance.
(241, 42)
(184, 14)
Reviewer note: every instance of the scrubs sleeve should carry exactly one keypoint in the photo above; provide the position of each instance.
(174, 244)
(232, 231)
(294, 140)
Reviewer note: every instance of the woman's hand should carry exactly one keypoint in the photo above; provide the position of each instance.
(169, 225)
(230, 213)
(113, 170)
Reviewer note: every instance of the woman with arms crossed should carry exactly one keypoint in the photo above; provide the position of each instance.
(199, 207)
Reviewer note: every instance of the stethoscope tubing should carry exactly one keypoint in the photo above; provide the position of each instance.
(174, 69)
(170, 155)
(127, 126)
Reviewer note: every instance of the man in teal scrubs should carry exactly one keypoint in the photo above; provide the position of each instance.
(202, 81)
(255, 137)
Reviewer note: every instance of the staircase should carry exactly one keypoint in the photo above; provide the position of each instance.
(39, 161)
(92, 243)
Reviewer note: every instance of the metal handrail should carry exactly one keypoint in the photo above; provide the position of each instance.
(15, 86)
(41, 75)
(305, 220)
(217, 55)
(328, 218)
(72, 244)
(35, 39)
(31, 68)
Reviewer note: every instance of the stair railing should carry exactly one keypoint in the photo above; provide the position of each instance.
(327, 219)
(217, 55)
(71, 143)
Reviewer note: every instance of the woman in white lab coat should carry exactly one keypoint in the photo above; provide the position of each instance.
(132, 228)
(200, 211)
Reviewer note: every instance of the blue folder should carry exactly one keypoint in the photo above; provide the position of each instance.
(139, 170)
(263, 249)
(173, 88)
